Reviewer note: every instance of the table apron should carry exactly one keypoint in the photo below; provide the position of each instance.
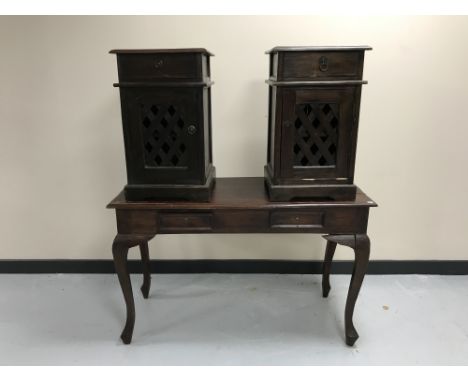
(285, 220)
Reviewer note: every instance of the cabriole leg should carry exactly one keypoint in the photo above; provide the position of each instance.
(361, 245)
(120, 248)
(145, 260)
(327, 262)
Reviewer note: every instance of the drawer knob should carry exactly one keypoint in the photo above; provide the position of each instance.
(323, 64)
(158, 64)
(191, 130)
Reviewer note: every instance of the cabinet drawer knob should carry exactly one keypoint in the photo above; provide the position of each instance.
(191, 130)
(158, 64)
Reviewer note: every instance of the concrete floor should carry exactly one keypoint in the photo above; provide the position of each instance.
(219, 319)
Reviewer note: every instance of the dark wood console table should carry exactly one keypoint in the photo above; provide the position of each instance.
(241, 205)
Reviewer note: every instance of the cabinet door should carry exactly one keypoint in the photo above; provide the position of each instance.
(317, 129)
(163, 134)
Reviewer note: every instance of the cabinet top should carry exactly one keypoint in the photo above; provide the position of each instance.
(155, 51)
(316, 48)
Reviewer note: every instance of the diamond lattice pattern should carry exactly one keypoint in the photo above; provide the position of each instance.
(163, 136)
(316, 134)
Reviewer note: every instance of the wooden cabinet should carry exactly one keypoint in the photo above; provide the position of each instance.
(314, 101)
(166, 117)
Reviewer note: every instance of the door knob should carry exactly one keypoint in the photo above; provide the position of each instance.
(191, 130)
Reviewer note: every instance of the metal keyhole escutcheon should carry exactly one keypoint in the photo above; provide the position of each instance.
(323, 64)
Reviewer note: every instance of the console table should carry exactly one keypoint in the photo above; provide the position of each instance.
(241, 205)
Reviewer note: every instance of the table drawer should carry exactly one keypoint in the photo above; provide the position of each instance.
(297, 219)
(321, 65)
(185, 222)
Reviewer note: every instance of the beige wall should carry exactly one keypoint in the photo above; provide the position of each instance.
(61, 142)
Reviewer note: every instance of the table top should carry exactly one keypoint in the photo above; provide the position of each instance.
(238, 193)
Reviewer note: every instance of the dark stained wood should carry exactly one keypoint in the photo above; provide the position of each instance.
(361, 245)
(152, 51)
(162, 84)
(297, 66)
(310, 219)
(120, 248)
(288, 189)
(273, 82)
(241, 205)
(120, 253)
(238, 193)
(316, 48)
(166, 120)
(314, 102)
(145, 262)
(297, 219)
(174, 191)
(159, 67)
(327, 263)
(180, 222)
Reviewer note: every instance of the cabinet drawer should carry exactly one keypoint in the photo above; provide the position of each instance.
(326, 65)
(297, 219)
(159, 67)
(181, 222)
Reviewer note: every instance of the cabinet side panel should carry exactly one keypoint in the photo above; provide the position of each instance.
(271, 136)
(277, 106)
(207, 128)
(354, 133)
(129, 141)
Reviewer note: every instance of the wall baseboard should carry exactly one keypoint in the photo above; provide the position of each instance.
(376, 267)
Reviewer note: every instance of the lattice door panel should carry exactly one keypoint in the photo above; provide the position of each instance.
(316, 134)
(164, 136)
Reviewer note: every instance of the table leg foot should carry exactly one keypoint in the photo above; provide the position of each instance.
(351, 336)
(127, 334)
(361, 245)
(145, 290)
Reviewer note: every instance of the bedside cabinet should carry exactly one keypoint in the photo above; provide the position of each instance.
(166, 115)
(314, 101)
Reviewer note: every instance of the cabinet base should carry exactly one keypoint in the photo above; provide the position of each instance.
(289, 192)
(189, 192)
